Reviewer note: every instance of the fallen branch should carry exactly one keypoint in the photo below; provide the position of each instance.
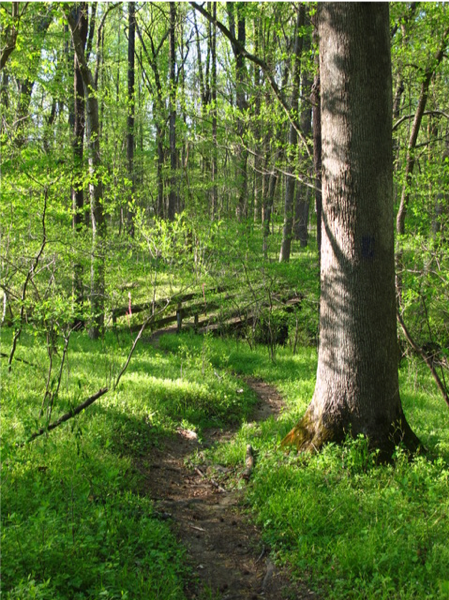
(22, 360)
(427, 359)
(69, 415)
(195, 527)
(101, 392)
(138, 336)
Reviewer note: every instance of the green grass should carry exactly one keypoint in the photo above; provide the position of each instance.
(75, 520)
(350, 528)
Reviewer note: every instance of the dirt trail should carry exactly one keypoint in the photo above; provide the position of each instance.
(224, 548)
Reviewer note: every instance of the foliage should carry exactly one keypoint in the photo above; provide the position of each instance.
(351, 527)
(75, 520)
(348, 526)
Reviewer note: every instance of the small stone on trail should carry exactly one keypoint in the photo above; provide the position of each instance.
(187, 433)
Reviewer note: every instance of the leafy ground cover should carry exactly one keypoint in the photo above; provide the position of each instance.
(76, 523)
(352, 528)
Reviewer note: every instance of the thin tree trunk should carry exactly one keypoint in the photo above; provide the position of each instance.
(240, 79)
(80, 14)
(257, 133)
(287, 230)
(303, 192)
(317, 160)
(214, 166)
(158, 110)
(40, 28)
(10, 34)
(271, 180)
(130, 138)
(172, 199)
(410, 160)
(95, 186)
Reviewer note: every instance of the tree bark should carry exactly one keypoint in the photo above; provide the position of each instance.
(80, 15)
(214, 167)
(256, 126)
(315, 98)
(130, 138)
(287, 230)
(95, 186)
(240, 79)
(172, 199)
(357, 390)
(271, 179)
(10, 34)
(303, 192)
(158, 109)
(410, 160)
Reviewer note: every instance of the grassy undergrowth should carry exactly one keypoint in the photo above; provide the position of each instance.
(76, 523)
(349, 528)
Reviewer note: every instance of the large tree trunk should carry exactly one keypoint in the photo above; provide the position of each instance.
(357, 387)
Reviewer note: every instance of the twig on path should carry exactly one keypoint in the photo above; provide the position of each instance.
(261, 555)
(195, 527)
(212, 481)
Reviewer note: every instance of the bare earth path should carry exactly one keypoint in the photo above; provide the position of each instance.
(224, 548)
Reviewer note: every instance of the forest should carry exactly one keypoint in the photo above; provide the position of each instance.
(224, 300)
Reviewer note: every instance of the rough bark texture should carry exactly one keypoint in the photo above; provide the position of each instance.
(357, 379)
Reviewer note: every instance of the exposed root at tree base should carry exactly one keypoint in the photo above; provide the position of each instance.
(311, 435)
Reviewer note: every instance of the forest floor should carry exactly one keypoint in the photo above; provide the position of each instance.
(225, 550)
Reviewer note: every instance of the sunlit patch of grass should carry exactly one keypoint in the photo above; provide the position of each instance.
(74, 523)
(351, 528)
